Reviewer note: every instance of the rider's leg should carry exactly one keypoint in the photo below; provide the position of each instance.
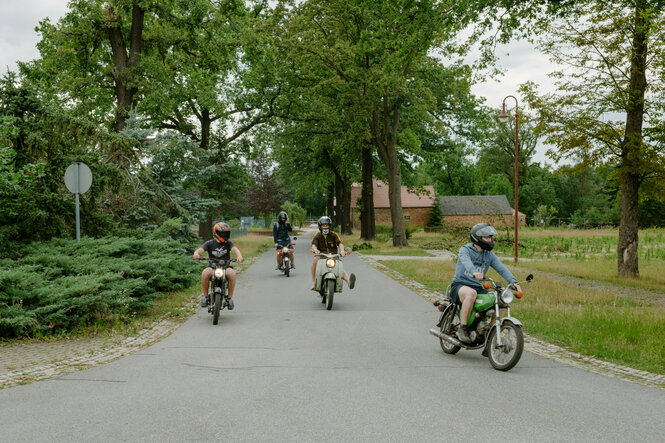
(291, 256)
(467, 296)
(231, 278)
(316, 259)
(279, 256)
(351, 281)
(205, 280)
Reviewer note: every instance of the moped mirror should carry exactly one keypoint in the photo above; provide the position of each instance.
(529, 277)
(295, 238)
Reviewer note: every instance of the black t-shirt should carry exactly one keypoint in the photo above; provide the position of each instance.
(218, 250)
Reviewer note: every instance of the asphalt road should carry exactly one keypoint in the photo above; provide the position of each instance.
(282, 368)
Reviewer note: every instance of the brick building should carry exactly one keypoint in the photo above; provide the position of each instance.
(416, 207)
(467, 210)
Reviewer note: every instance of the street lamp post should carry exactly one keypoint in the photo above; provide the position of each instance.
(503, 117)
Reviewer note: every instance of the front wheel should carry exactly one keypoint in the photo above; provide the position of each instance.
(330, 289)
(287, 267)
(217, 305)
(506, 356)
(448, 327)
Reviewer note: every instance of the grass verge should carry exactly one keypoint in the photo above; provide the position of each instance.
(602, 324)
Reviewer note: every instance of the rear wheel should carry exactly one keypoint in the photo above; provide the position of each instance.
(448, 327)
(506, 356)
(217, 305)
(330, 289)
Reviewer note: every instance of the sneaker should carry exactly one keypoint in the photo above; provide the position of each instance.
(205, 302)
(293, 266)
(313, 286)
(486, 351)
(352, 281)
(230, 304)
(463, 335)
(277, 268)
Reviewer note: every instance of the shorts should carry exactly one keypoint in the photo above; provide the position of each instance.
(455, 287)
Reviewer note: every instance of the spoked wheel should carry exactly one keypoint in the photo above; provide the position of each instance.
(330, 289)
(448, 327)
(217, 305)
(506, 356)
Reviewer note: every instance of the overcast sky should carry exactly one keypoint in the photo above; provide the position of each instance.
(18, 39)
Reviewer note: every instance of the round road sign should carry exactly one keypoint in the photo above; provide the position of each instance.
(82, 172)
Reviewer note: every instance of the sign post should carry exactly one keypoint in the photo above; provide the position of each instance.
(78, 179)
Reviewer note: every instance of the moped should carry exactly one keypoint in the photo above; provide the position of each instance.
(218, 290)
(501, 337)
(328, 276)
(283, 251)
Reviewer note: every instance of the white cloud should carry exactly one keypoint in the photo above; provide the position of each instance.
(18, 19)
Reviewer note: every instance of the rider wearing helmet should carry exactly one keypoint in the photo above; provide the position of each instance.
(329, 242)
(474, 260)
(280, 234)
(219, 247)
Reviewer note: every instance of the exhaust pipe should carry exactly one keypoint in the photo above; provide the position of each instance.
(435, 332)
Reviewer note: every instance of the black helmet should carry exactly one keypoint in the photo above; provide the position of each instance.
(282, 217)
(323, 221)
(221, 231)
(482, 230)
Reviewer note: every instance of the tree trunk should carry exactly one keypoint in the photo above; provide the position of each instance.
(347, 226)
(384, 136)
(631, 155)
(124, 63)
(205, 228)
(367, 220)
(206, 122)
(330, 200)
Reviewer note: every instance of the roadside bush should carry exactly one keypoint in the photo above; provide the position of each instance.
(61, 284)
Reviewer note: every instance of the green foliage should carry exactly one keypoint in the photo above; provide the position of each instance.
(61, 284)
(436, 214)
(296, 213)
(543, 215)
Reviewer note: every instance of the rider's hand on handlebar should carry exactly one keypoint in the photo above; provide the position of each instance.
(478, 275)
(517, 287)
(197, 256)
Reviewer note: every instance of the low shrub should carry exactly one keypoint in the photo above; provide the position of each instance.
(61, 284)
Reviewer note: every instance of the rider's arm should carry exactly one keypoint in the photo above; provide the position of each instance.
(197, 253)
(236, 251)
(502, 270)
(464, 258)
(288, 226)
(274, 234)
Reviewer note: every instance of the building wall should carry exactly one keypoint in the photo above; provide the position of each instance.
(412, 216)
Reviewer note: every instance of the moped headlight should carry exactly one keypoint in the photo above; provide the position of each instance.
(285, 250)
(331, 262)
(507, 296)
(219, 272)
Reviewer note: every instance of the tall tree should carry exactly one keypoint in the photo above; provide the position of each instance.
(615, 57)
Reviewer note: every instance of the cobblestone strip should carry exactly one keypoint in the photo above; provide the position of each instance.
(532, 344)
(153, 333)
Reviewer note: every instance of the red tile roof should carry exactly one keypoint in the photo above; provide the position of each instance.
(409, 200)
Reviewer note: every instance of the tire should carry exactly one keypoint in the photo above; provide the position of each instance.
(448, 327)
(512, 339)
(330, 289)
(216, 307)
(287, 267)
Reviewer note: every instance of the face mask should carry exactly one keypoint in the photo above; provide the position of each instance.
(325, 231)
